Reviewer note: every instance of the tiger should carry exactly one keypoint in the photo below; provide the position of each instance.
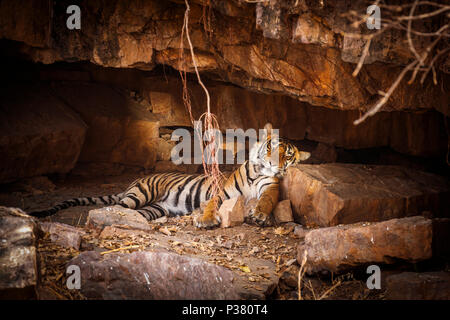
(174, 194)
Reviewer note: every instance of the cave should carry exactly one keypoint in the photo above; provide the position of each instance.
(86, 110)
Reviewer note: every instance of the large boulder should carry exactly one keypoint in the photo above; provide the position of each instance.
(331, 194)
(18, 257)
(152, 275)
(336, 249)
(39, 133)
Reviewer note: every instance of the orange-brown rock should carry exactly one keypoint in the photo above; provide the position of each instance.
(164, 149)
(116, 215)
(338, 248)
(39, 134)
(153, 275)
(169, 166)
(120, 130)
(277, 47)
(283, 212)
(231, 212)
(420, 134)
(19, 273)
(238, 108)
(331, 194)
(63, 234)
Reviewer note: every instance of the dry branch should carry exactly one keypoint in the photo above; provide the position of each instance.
(301, 273)
(423, 61)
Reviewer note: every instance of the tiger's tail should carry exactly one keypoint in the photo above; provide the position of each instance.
(86, 201)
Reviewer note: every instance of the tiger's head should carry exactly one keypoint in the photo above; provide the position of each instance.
(274, 155)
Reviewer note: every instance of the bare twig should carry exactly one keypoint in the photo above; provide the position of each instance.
(301, 273)
(431, 65)
(334, 286)
(408, 34)
(424, 57)
(363, 57)
(209, 120)
(120, 249)
(396, 18)
(425, 15)
(385, 98)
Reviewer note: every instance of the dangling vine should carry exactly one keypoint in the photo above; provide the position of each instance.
(208, 120)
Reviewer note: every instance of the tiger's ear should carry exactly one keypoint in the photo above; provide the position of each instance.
(303, 155)
(268, 132)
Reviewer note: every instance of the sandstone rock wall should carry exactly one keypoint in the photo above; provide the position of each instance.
(293, 48)
(104, 119)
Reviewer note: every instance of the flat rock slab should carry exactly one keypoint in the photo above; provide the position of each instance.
(331, 194)
(116, 215)
(18, 261)
(152, 275)
(338, 248)
(256, 284)
(63, 234)
(418, 286)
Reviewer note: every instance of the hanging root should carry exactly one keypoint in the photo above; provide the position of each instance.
(208, 120)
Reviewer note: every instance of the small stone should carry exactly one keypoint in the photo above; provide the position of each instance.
(249, 206)
(228, 244)
(300, 231)
(283, 212)
(231, 212)
(63, 234)
(254, 250)
(116, 215)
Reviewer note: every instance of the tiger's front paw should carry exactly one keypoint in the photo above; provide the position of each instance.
(207, 221)
(260, 218)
